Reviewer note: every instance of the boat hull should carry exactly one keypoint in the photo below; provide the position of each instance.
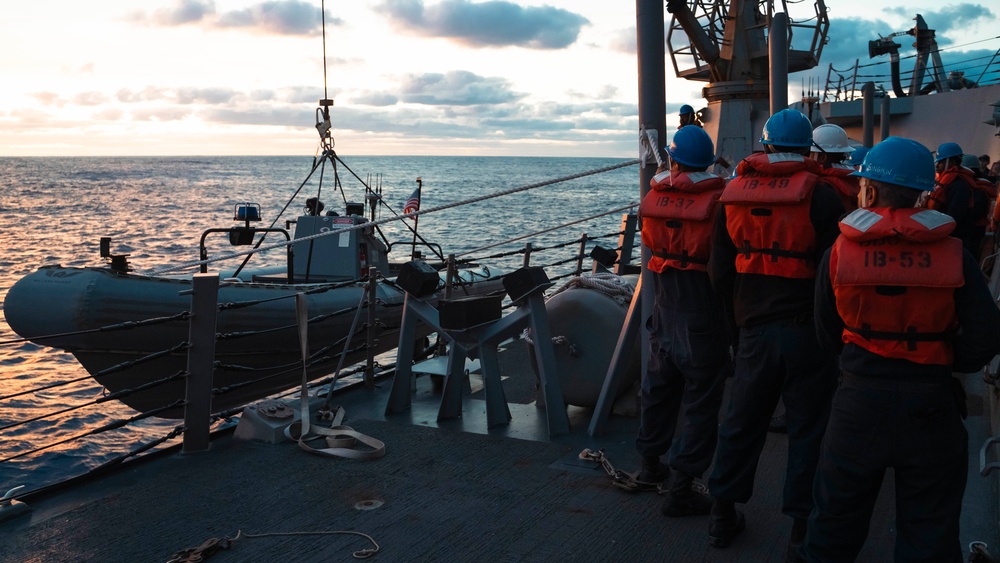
(111, 321)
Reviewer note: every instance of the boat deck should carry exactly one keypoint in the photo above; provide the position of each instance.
(449, 491)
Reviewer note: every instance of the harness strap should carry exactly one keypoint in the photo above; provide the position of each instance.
(774, 252)
(910, 336)
(684, 258)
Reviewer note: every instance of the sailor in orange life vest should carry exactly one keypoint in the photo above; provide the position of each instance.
(688, 339)
(687, 116)
(905, 306)
(779, 216)
(953, 195)
(831, 149)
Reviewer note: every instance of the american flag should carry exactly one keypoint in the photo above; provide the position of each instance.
(412, 204)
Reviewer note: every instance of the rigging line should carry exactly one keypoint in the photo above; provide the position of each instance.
(150, 357)
(110, 397)
(44, 387)
(134, 452)
(278, 217)
(411, 215)
(313, 320)
(119, 326)
(110, 426)
(312, 291)
(536, 233)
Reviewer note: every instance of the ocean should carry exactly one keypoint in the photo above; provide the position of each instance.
(55, 211)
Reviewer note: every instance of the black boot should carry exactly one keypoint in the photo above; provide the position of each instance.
(652, 471)
(726, 523)
(795, 541)
(685, 497)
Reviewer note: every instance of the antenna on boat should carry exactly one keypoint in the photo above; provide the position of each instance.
(420, 185)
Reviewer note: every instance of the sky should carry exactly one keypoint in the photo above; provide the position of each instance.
(408, 77)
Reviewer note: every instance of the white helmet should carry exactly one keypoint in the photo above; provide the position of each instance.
(830, 138)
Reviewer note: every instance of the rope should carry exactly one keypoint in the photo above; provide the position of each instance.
(214, 545)
(411, 215)
(608, 283)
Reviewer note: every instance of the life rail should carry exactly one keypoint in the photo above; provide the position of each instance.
(161, 435)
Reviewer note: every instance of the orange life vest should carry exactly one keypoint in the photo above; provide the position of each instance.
(678, 216)
(767, 215)
(894, 274)
(847, 186)
(943, 180)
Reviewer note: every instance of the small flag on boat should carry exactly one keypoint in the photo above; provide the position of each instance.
(412, 204)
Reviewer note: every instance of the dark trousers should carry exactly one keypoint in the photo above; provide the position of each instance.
(916, 429)
(687, 365)
(778, 359)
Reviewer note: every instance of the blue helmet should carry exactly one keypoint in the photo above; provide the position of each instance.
(788, 128)
(686, 109)
(692, 147)
(948, 150)
(970, 161)
(858, 156)
(899, 161)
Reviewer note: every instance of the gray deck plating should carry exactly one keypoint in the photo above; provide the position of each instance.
(450, 492)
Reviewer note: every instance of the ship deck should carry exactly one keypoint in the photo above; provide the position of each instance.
(449, 491)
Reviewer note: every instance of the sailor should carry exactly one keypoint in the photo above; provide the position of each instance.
(688, 117)
(857, 157)
(953, 195)
(688, 337)
(831, 149)
(778, 218)
(905, 306)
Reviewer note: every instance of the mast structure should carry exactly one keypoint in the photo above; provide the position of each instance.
(725, 43)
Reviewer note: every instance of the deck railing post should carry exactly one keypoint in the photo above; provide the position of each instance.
(626, 241)
(581, 253)
(370, 343)
(201, 361)
(451, 274)
(527, 255)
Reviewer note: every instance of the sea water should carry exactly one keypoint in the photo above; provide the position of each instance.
(55, 211)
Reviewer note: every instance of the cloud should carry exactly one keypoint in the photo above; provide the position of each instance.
(281, 17)
(494, 23)
(291, 17)
(183, 12)
(90, 99)
(457, 87)
(48, 99)
(624, 41)
(371, 98)
(160, 114)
